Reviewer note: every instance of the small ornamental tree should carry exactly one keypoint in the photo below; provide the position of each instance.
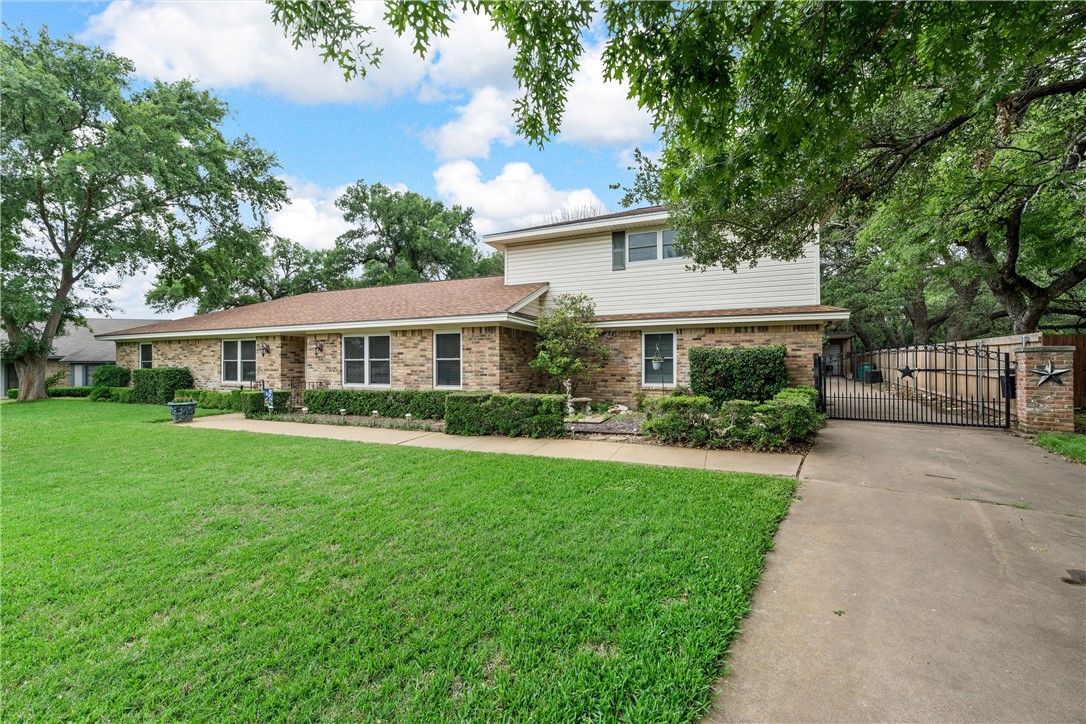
(569, 347)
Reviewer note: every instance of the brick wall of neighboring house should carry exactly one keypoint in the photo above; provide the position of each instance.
(54, 366)
(621, 377)
(517, 349)
(128, 354)
(412, 359)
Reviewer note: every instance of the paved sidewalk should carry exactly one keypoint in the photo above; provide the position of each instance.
(906, 586)
(740, 462)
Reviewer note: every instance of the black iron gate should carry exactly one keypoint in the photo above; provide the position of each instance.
(933, 384)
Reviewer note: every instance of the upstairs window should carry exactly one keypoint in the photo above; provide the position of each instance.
(239, 360)
(367, 360)
(447, 359)
(650, 246)
(145, 357)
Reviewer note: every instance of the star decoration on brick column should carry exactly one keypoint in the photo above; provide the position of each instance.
(906, 371)
(1049, 373)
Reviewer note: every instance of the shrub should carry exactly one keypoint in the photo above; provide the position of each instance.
(514, 415)
(13, 393)
(746, 373)
(789, 417)
(68, 391)
(421, 404)
(252, 402)
(681, 420)
(121, 394)
(101, 393)
(159, 385)
(111, 376)
(54, 379)
(213, 399)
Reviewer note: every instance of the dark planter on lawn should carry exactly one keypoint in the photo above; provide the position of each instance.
(182, 411)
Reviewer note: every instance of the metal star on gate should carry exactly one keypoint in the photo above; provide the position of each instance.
(1048, 373)
(906, 371)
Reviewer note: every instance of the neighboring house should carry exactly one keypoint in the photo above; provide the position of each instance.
(479, 334)
(77, 353)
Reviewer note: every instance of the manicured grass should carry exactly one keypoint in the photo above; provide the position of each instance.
(1072, 445)
(154, 571)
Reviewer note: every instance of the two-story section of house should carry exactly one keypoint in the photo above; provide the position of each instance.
(479, 334)
(653, 308)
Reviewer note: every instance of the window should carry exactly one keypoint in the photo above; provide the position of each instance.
(447, 359)
(83, 375)
(239, 360)
(652, 245)
(670, 250)
(367, 360)
(658, 362)
(643, 246)
(145, 356)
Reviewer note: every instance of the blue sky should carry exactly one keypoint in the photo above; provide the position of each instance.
(439, 126)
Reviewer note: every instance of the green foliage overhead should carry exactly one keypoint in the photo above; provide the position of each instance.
(102, 179)
(964, 116)
(569, 347)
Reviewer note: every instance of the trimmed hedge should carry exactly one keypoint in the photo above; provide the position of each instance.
(789, 417)
(252, 402)
(514, 415)
(745, 373)
(213, 399)
(68, 391)
(13, 393)
(111, 376)
(101, 393)
(421, 404)
(159, 385)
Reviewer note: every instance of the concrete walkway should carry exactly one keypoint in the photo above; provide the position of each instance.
(905, 585)
(740, 462)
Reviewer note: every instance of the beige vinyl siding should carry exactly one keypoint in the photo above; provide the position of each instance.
(583, 266)
(532, 308)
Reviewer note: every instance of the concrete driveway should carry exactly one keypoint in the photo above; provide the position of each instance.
(907, 586)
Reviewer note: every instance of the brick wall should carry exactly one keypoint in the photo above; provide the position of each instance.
(1048, 407)
(203, 357)
(621, 378)
(413, 359)
(324, 367)
(517, 349)
(480, 366)
(53, 366)
(128, 354)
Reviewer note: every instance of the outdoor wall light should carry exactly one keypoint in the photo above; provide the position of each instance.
(318, 346)
(264, 348)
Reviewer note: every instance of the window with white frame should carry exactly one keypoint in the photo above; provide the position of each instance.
(658, 358)
(238, 360)
(367, 360)
(447, 359)
(145, 356)
(652, 245)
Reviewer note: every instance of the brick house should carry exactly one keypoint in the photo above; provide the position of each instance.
(479, 334)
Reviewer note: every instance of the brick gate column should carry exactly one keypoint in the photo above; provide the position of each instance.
(1045, 395)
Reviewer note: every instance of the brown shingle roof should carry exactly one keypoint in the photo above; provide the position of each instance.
(748, 312)
(453, 298)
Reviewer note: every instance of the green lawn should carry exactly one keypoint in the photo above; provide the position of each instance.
(1068, 444)
(151, 571)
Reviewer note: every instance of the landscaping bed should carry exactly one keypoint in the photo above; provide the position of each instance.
(205, 574)
(388, 423)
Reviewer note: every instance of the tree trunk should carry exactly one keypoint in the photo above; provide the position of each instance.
(31, 371)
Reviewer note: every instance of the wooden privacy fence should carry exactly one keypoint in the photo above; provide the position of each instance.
(942, 373)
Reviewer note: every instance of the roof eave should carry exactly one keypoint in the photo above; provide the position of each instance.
(464, 320)
(721, 320)
(501, 241)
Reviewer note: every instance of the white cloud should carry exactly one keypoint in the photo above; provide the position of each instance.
(485, 119)
(130, 297)
(513, 199)
(472, 55)
(235, 44)
(598, 112)
(311, 218)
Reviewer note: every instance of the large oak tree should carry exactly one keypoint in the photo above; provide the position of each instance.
(102, 178)
(775, 115)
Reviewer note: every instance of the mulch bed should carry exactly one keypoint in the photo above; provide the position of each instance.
(390, 423)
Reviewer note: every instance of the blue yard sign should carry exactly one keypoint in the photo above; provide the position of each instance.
(269, 401)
